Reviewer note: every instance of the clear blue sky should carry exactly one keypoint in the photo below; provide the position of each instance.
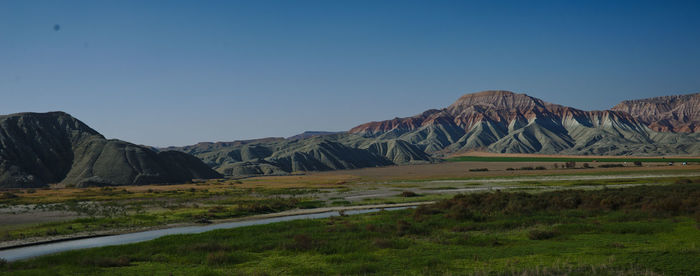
(180, 72)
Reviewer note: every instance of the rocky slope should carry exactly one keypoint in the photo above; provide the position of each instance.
(37, 149)
(678, 113)
(275, 156)
(507, 122)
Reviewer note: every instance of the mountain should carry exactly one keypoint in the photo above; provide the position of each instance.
(37, 149)
(678, 113)
(507, 122)
(276, 156)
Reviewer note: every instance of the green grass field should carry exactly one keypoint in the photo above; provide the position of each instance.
(644, 230)
(568, 159)
(114, 209)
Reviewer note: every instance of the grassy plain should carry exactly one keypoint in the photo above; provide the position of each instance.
(641, 230)
(31, 215)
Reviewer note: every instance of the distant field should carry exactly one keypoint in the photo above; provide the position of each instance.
(568, 159)
(462, 170)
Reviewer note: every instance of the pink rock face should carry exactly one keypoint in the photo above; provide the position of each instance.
(495, 106)
(408, 123)
(679, 113)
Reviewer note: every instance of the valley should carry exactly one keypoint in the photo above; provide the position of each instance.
(39, 215)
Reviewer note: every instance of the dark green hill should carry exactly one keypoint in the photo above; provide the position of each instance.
(37, 149)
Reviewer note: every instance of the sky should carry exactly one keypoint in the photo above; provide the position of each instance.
(172, 73)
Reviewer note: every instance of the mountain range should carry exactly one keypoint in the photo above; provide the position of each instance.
(37, 149)
(507, 122)
(496, 121)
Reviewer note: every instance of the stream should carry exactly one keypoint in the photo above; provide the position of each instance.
(30, 251)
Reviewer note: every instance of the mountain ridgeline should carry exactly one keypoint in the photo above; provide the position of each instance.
(37, 149)
(677, 113)
(496, 121)
(506, 122)
(278, 156)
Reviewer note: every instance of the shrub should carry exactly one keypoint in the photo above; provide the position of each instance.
(426, 210)
(207, 247)
(107, 261)
(217, 209)
(409, 194)
(459, 213)
(617, 245)
(403, 227)
(340, 202)
(542, 234)
(383, 243)
(302, 242)
(465, 228)
(539, 168)
(611, 166)
(479, 170)
(570, 164)
(638, 163)
(685, 181)
(222, 258)
(527, 168)
(585, 165)
(510, 169)
(8, 195)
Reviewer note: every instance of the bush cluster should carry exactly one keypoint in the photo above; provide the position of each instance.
(611, 166)
(104, 261)
(542, 234)
(527, 168)
(673, 199)
(8, 195)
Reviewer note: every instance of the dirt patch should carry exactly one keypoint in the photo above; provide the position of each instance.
(9, 220)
